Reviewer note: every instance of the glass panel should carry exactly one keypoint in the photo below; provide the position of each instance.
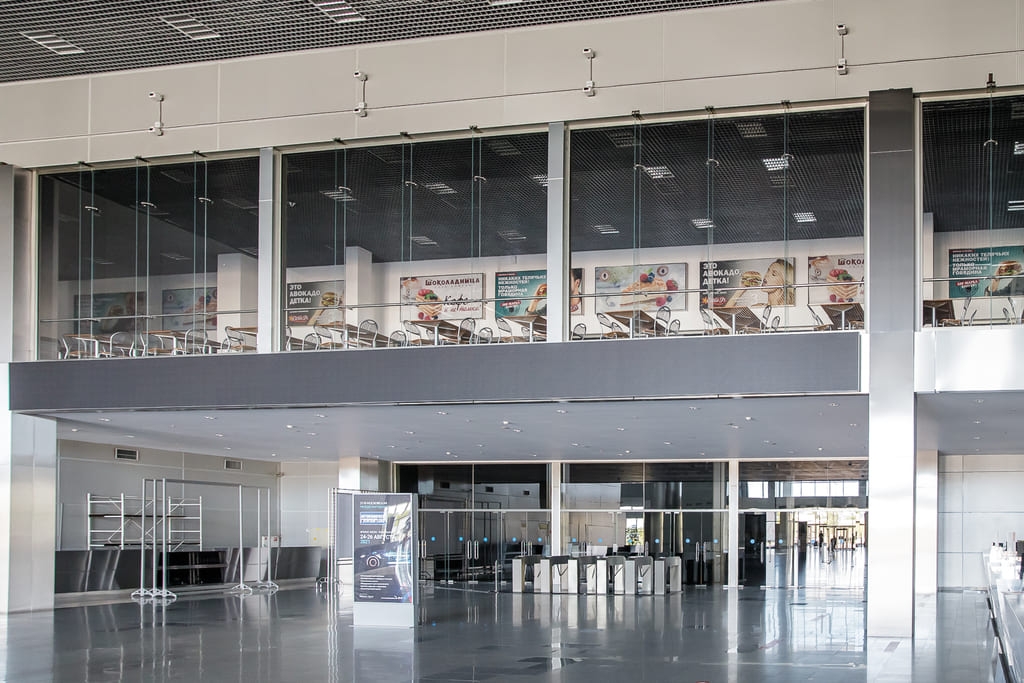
(685, 485)
(601, 533)
(708, 226)
(602, 486)
(149, 260)
(454, 230)
(804, 484)
(973, 211)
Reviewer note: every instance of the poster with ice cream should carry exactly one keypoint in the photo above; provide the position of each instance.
(442, 297)
(640, 287)
(747, 282)
(835, 279)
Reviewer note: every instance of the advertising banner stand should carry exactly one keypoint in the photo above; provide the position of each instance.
(384, 563)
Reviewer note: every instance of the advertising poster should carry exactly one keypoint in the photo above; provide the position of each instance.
(442, 297)
(835, 279)
(310, 303)
(747, 282)
(986, 271)
(382, 534)
(524, 292)
(640, 287)
(185, 309)
(109, 305)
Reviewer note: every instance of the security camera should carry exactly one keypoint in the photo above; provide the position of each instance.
(359, 76)
(157, 128)
(588, 53)
(841, 29)
(156, 96)
(589, 90)
(841, 67)
(360, 110)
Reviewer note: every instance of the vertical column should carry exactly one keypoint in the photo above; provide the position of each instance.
(555, 498)
(891, 316)
(359, 287)
(926, 521)
(271, 255)
(558, 236)
(735, 542)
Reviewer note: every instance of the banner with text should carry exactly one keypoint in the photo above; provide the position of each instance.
(747, 282)
(382, 534)
(442, 297)
(839, 279)
(319, 302)
(986, 271)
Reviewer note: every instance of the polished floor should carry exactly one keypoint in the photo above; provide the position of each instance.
(473, 635)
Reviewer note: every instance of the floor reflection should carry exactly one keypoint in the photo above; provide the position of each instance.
(700, 634)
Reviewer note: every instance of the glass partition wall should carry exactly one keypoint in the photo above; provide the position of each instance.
(973, 220)
(149, 259)
(434, 242)
(719, 225)
(659, 509)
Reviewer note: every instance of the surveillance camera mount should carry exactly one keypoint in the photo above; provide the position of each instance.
(361, 108)
(841, 66)
(589, 89)
(158, 126)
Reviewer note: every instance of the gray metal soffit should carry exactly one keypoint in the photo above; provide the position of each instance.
(53, 38)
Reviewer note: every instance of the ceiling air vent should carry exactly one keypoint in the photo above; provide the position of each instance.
(232, 464)
(126, 454)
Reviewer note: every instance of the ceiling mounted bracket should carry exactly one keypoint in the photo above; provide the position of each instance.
(589, 89)
(158, 126)
(360, 109)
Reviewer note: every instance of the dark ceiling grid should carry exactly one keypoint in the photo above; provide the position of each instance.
(956, 168)
(117, 35)
(825, 177)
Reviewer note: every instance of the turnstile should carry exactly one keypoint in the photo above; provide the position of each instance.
(674, 569)
(615, 576)
(520, 567)
(589, 572)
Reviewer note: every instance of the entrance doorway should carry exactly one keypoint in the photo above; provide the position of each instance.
(805, 548)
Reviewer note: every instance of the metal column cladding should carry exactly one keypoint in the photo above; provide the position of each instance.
(892, 278)
(558, 236)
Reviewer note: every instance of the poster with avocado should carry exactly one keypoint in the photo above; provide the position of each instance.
(319, 302)
(835, 279)
(640, 287)
(986, 271)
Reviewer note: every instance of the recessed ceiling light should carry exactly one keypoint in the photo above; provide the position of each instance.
(979, 400)
(410, 433)
(104, 419)
(534, 455)
(658, 172)
(1018, 148)
(620, 429)
(694, 408)
(289, 426)
(606, 229)
(339, 12)
(129, 436)
(833, 405)
(499, 3)
(541, 179)
(748, 418)
(447, 452)
(734, 426)
(668, 443)
(511, 236)
(767, 441)
(441, 412)
(342, 194)
(439, 188)
(627, 452)
(976, 438)
(310, 433)
(74, 429)
(516, 430)
(190, 26)
(219, 436)
(575, 444)
(1015, 205)
(423, 241)
(751, 129)
(171, 256)
(53, 43)
(776, 163)
(308, 447)
(703, 223)
(853, 424)
(320, 415)
(504, 422)
(804, 217)
(820, 448)
(227, 448)
(273, 455)
(560, 411)
(209, 417)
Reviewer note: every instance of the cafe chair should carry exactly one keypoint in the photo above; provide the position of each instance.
(198, 341)
(484, 335)
(774, 326)
(398, 338)
(505, 332)
(414, 335)
(819, 324)
(712, 325)
(675, 328)
(154, 346)
(579, 332)
(466, 329)
(325, 338)
(367, 334)
(122, 344)
(661, 321)
(614, 330)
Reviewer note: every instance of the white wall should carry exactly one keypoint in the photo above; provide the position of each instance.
(85, 468)
(677, 61)
(980, 502)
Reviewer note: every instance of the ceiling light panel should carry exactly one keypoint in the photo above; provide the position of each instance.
(338, 12)
(776, 163)
(190, 26)
(804, 217)
(53, 43)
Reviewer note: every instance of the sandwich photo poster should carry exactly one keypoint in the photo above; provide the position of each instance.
(747, 282)
(319, 302)
(640, 287)
(186, 308)
(524, 292)
(986, 271)
(442, 297)
(835, 279)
